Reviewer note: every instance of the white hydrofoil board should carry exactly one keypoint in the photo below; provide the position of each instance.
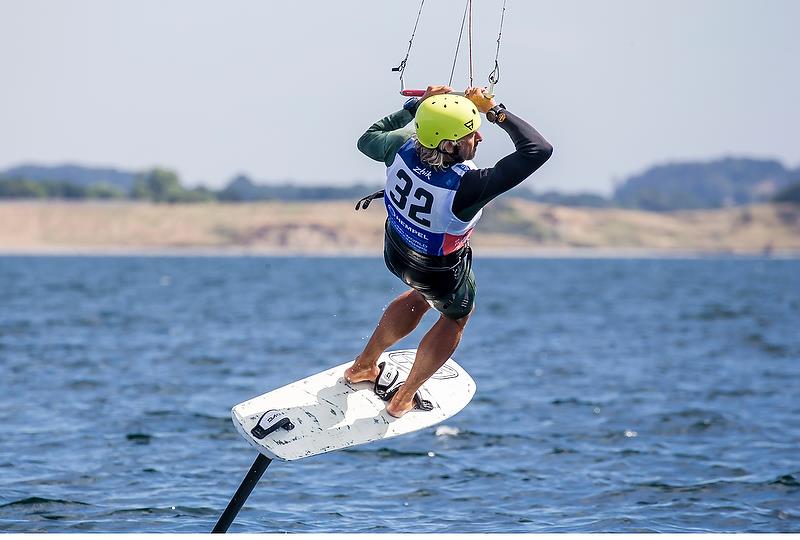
(324, 412)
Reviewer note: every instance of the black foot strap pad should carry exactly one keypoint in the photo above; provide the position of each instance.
(388, 381)
(271, 421)
(422, 404)
(419, 403)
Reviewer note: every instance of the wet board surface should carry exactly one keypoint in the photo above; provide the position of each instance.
(327, 413)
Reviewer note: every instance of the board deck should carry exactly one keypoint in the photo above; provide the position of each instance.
(327, 413)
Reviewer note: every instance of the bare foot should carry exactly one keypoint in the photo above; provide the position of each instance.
(398, 407)
(356, 373)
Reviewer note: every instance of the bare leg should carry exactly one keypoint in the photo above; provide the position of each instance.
(436, 347)
(399, 320)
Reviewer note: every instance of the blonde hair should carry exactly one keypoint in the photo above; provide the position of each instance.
(435, 158)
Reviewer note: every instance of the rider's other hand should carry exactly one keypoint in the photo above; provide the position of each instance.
(435, 91)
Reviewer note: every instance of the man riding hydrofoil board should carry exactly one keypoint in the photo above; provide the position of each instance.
(434, 197)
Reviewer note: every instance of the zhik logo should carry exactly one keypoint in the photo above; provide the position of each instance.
(423, 172)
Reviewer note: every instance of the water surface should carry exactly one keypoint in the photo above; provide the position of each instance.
(613, 395)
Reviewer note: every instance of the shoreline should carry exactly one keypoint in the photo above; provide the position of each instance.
(479, 253)
(510, 228)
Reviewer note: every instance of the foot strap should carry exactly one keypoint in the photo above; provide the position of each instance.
(422, 404)
(388, 383)
(271, 421)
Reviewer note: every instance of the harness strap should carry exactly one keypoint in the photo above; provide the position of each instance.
(363, 204)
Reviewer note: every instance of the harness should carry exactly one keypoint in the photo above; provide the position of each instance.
(433, 276)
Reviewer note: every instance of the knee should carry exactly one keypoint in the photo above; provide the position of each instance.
(462, 321)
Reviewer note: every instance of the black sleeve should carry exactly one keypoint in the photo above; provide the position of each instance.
(481, 186)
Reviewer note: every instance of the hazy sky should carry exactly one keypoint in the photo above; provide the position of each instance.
(282, 90)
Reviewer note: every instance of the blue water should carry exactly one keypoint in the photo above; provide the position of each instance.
(613, 395)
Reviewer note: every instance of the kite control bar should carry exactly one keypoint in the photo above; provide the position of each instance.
(412, 93)
(419, 93)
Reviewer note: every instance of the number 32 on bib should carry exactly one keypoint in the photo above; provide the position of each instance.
(419, 202)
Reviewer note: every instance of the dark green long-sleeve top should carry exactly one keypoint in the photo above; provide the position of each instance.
(385, 137)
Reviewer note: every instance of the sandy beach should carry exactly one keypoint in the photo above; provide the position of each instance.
(509, 228)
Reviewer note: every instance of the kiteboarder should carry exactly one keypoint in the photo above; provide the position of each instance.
(434, 197)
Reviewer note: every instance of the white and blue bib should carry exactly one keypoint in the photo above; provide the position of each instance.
(419, 201)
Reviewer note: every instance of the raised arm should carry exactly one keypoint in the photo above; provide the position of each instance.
(481, 186)
(385, 137)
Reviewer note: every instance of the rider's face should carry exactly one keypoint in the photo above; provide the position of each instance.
(467, 146)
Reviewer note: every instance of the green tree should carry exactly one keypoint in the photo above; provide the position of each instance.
(791, 194)
(198, 194)
(64, 190)
(20, 188)
(159, 185)
(104, 190)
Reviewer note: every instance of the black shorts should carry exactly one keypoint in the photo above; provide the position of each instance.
(447, 282)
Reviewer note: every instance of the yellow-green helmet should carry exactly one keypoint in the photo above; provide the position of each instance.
(445, 117)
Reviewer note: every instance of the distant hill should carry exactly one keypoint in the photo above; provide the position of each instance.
(790, 194)
(72, 174)
(674, 186)
(716, 184)
(556, 198)
(242, 188)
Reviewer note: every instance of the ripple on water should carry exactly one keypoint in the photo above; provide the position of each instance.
(41, 508)
(385, 453)
(693, 421)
